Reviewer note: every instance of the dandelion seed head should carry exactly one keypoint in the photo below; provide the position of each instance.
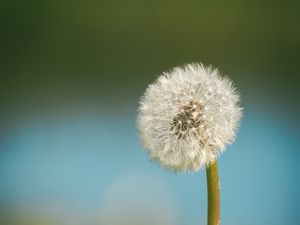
(188, 116)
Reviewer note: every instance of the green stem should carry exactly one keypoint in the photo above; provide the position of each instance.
(213, 194)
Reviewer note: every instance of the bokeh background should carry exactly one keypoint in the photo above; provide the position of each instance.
(72, 73)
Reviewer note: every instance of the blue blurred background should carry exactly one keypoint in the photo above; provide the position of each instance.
(72, 73)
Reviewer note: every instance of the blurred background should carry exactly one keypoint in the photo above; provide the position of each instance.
(71, 74)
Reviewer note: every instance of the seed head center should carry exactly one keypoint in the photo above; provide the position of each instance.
(189, 118)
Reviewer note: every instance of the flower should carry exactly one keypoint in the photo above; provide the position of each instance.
(188, 116)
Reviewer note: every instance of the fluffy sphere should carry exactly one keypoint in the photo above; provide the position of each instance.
(188, 116)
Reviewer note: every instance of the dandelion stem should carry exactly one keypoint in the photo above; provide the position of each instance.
(213, 194)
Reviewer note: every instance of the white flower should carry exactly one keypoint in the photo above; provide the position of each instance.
(188, 116)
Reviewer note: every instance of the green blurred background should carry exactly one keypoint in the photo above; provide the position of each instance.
(73, 71)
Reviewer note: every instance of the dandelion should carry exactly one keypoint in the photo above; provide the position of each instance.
(187, 117)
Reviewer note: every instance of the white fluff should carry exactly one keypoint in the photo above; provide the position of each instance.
(188, 116)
